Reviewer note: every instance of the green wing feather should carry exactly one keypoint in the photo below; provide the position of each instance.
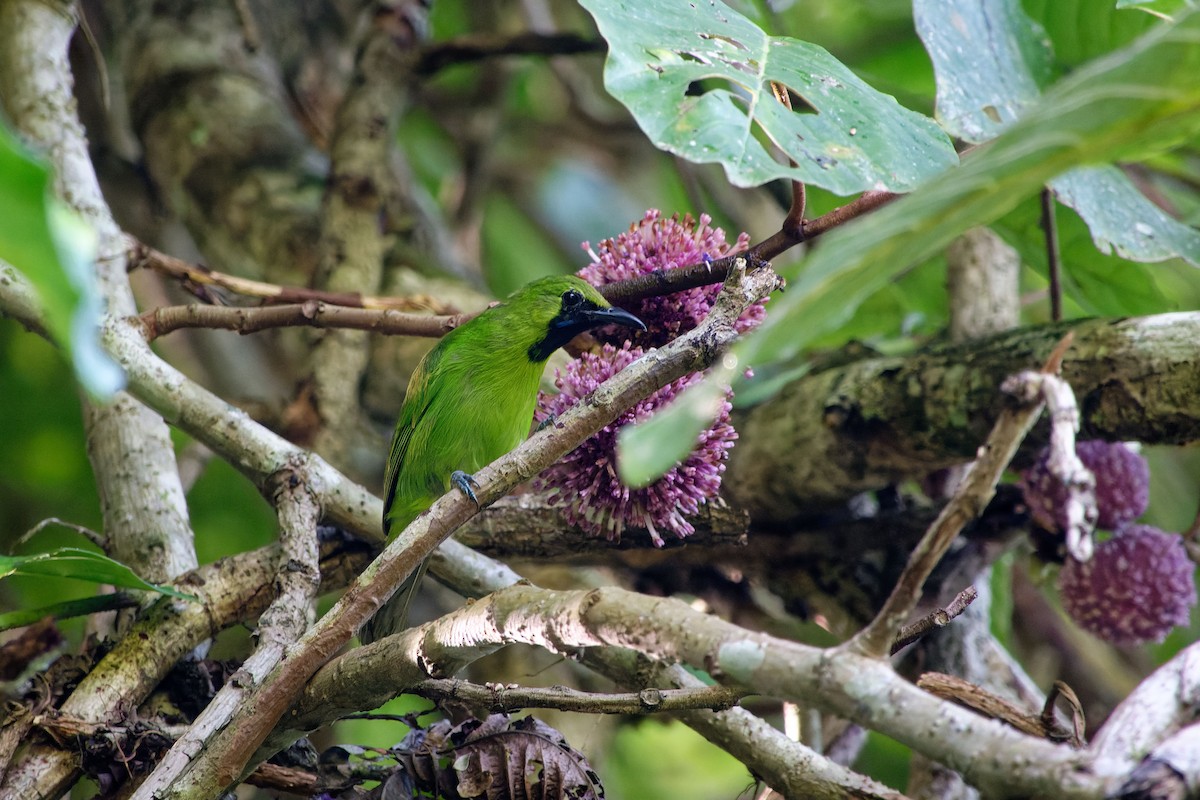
(421, 394)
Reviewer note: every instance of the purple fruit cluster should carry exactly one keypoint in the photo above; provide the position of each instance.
(1140, 583)
(1137, 587)
(1122, 486)
(653, 244)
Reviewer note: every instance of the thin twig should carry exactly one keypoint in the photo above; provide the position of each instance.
(497, 698)
(937, 619)
(312, 313)
(703, 273)
(793, 223)
(976, 489)
(92, 536)
(1053, 255)
(476, 47)
(197, 275)
(1078, 723)
(965, 693)
(313, 308)
(250, 33)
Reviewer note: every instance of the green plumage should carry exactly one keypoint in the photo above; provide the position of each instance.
(471, 400)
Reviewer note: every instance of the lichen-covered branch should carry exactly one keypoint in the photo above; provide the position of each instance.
(232, 590)
(882, 420)
(295, 584)
(361, 215)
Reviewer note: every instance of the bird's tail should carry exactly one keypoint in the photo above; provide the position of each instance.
(392, 616)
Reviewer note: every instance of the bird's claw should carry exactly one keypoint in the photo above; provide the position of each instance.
(466, 484)
(551, 419)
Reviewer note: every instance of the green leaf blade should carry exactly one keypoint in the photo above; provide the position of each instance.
(990, 61)
(1122, 220)
(55, 250)
(86, 565)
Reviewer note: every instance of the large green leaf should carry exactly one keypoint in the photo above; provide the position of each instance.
(55, 250)
(86, 565)
(1138, 101)
(696, 77)
(990, 60)
(1122, 220)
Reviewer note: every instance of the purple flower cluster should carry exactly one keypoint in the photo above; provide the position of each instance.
(656, 243)
(585, 482)
(1137, 587)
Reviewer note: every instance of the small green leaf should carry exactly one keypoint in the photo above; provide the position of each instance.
(65, 609)
(697, 76)
(1122, 220)
(647, 450)
(86, 565)
(56, 251)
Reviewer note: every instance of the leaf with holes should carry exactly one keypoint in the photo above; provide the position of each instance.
(1122, 220)
(1139, 101)
(697, 77)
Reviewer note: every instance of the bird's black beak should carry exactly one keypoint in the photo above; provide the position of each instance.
(599, 317)
(567, 326)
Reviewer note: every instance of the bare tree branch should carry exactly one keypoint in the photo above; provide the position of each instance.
(297, 578)
(495, 698)
(934, 620)
(838, 680)
(972, 495)
(196, 276)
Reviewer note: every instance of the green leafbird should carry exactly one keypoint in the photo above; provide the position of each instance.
(471, 400)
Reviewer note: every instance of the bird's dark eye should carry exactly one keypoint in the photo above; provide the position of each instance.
(572, 298)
